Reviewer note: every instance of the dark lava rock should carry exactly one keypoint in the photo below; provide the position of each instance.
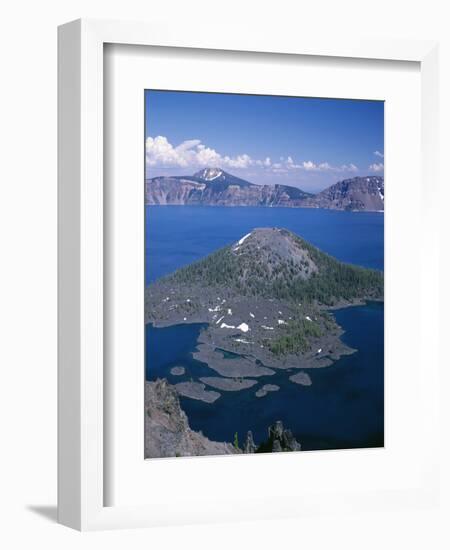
(280, 439)
(249, 445)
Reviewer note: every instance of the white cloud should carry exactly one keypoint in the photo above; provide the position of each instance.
(378, 154)
(327, 167)
(192, 153)
(203, 156)
(376, 167)
(241, 161)
(349, 168)
(309, 165)
(159, 151)
(266, 162)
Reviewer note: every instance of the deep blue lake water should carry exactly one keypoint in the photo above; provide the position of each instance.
(344, 406)
(179, 235)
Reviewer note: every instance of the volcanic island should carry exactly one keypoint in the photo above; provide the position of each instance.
(266, 299)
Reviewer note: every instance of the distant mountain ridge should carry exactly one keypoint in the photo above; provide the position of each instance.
(361, 193)
(215, 187)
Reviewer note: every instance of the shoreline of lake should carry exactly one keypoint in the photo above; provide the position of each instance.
(328, 384)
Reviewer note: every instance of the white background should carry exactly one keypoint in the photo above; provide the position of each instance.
(28, 271)
(302, 477)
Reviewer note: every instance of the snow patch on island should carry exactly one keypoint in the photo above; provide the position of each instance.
(243, 326)
(240, 241)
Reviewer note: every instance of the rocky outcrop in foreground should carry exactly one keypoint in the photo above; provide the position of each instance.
(167, 431)
(280, 440)
(249, 445)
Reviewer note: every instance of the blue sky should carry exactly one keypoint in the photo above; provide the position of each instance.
(306, 142)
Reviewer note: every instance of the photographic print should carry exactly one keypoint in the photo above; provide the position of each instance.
(264, 261)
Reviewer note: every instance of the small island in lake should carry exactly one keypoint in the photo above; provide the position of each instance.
(265, 298)
(265, 302)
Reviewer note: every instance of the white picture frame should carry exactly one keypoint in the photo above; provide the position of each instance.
(82, 393)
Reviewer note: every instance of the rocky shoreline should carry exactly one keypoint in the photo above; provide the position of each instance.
(228, 384)
(301, 378)
(197, 390)
(262, 392)
(260, 321)
(168, 434)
